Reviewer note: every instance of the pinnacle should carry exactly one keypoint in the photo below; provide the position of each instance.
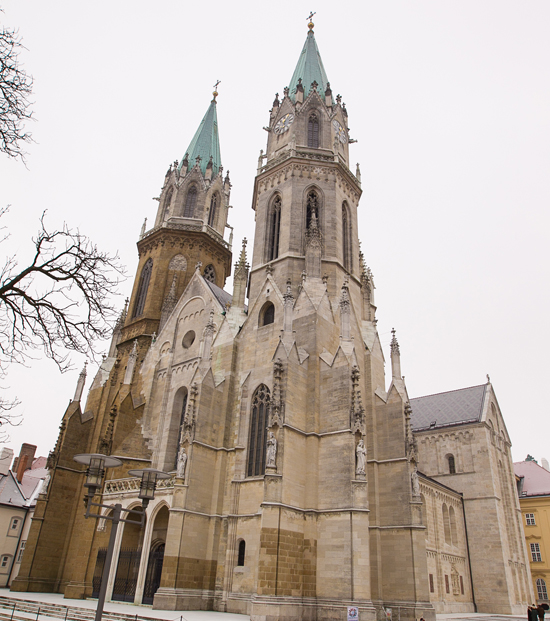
(394, 345)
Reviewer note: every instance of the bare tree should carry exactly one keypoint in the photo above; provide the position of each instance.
(15, 90)
(60, 302)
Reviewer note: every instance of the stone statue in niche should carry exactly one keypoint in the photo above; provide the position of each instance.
(182, 463)
(415, 483)
(361, 453)
(271, 451)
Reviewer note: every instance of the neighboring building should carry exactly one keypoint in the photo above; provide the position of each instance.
(295, 488)
(534, 500)
(463, 444)
(18, 494)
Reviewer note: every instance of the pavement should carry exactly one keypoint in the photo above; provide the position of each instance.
(203, 615)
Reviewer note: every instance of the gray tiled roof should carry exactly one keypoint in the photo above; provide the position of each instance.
(448, 408)
(222, 296)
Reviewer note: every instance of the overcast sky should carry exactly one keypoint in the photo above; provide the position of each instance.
(449, 102)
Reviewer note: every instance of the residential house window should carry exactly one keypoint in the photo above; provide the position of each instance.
(535, 553)
(541, 589)
(530, 519)
(4, 562)
(21, 550)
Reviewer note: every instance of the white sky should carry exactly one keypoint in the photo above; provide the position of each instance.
(449, 102)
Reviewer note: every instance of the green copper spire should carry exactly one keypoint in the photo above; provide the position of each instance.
(309, 68)
(206, 143)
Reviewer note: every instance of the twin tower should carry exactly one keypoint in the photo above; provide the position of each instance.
(294, 490)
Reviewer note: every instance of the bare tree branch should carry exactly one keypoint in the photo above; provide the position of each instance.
(15, 90)
(59, 302)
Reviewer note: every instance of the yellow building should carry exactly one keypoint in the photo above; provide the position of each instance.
(534, 500)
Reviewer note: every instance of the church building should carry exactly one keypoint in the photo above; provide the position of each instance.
(302, 482)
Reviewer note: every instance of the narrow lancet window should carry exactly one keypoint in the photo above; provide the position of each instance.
(142, 288)
(313, 131)
(274, 229)
(346, 237)
(258, 431)
(213, 215)
(190, 202)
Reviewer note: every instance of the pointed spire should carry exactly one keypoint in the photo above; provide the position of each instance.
(395, 357)
(205, 143)
(240, 279)
(309, 68)
(80, 383)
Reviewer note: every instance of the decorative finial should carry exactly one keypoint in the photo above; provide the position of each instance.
(488, 379)
(215, 93)
(309, 18)
(394, 345)
(198, 266)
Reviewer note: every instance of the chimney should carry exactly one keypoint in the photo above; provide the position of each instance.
(22, 466)
(26, 457)
(544, 463)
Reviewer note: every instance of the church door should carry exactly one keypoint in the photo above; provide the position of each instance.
(154, 572)
(124, 589)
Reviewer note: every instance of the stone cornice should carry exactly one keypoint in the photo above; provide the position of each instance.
(314, 166)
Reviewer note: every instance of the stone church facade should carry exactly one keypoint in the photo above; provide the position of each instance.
(300, 484)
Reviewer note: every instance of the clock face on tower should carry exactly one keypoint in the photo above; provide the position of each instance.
(284, 123)
(340, 132)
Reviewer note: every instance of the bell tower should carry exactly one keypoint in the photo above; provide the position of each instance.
(305, 196)
(188, 232)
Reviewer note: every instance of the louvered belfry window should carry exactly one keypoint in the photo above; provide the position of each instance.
(258, 431)
(143, 287)
(313, 131)
(346, 241)
(190, 202)
(274, 229)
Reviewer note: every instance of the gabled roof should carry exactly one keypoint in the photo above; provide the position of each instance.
(222, 296)
(206, 142)
(535, 479)
(456, 407)
(310, 68)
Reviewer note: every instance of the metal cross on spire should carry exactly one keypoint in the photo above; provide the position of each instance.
(216, 85)
(310, 17)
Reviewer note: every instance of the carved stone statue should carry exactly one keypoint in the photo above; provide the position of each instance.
(271, 451)
(182, 463)
(361, 453)
(414, 482)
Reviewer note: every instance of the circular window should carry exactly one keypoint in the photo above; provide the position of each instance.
(188, 339)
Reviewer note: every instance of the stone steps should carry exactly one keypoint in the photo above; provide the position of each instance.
(29, 609)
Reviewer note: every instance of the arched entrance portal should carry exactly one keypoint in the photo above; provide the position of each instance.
(156, 556)
(124, 588)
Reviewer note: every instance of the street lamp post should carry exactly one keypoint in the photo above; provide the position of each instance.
(97, 464)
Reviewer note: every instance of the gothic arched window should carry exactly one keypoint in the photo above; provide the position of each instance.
(312, 207)
(142, 288)
(240, 556)
(212, 216)
(274, 224)
(167, 201)
(452, 465)
(313, 130)
(209, 273)
(267, 314)
(346, 236)
(258, 431)
(190, 202)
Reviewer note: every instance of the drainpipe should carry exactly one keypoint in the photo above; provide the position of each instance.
(469, 559)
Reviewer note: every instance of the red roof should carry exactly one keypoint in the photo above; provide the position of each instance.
(535, 479)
